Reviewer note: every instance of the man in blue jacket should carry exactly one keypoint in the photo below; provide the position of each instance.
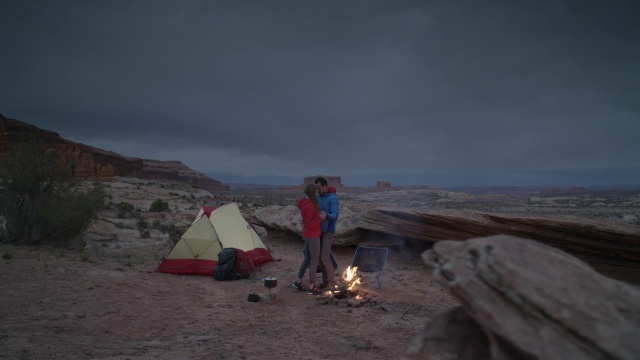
(330, 205)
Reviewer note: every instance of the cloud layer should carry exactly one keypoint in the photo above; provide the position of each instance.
(412, 92)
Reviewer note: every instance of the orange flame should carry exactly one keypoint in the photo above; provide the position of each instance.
(351, 277)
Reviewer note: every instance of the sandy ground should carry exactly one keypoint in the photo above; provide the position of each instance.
(110, 304)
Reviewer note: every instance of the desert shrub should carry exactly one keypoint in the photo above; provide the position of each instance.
(174, 233)
(66, 214)
(125, 207)
(125, 210)
(143, 228)
(41, 203)
(142, 224)
(156, 224)
(159, 206)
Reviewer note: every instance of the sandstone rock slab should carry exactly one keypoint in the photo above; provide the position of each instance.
(612, 248)
(535, 301)
(287, 219)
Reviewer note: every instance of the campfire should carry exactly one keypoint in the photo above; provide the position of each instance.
(347, 285)
(348, 292)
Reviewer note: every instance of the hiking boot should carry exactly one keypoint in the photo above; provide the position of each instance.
(322, 286)
(314, 291)
(298, 285)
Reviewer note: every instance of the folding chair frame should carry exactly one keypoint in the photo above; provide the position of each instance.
(360, 256)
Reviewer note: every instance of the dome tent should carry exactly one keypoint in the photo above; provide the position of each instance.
(214, 229)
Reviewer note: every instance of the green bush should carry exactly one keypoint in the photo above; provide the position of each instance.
(174, 233)
(125, 210)
(41, 203)
(143, 228)
(159, 206)
(156, 224)
(142, 224)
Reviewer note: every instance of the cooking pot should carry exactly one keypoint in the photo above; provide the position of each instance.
(270, 282)
(253, 298)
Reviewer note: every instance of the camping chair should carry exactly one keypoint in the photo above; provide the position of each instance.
(370, 259)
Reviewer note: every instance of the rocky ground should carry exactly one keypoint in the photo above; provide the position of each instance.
(107, 302)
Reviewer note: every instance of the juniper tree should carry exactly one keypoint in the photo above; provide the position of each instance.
(40, 202)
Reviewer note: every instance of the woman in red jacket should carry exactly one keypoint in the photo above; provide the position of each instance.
(312, 220)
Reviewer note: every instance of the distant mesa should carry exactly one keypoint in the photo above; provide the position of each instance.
(335, 181)
(383, 185)
(574, 190)
(87, 162)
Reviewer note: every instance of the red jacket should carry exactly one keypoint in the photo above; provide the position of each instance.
(311, 218)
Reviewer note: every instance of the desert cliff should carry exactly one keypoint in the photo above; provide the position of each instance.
(88, 162)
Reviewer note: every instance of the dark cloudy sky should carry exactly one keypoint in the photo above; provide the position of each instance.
(412, 92)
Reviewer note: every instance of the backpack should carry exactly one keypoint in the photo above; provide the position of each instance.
(225, 269)
(244, 265)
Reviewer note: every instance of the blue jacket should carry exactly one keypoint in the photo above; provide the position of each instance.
(331, 206)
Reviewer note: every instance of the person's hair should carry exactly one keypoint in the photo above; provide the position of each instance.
(321, 180)
(310, 191)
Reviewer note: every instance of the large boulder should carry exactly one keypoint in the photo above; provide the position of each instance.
(288, 219)
(533, 301)
(101, 231)
(612, 248)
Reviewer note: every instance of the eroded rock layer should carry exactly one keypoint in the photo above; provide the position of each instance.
(88, 162)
